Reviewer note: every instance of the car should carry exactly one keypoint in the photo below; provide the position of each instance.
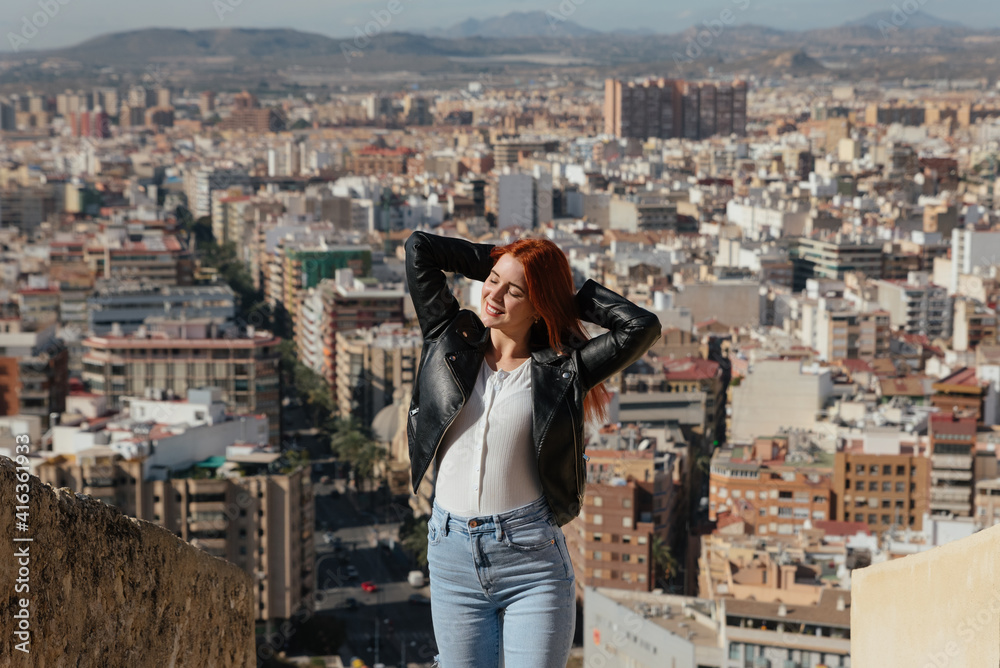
(352, 572)
(329, 538)
(351, 603)
(416, 579)
(419, 599)
(369, 586)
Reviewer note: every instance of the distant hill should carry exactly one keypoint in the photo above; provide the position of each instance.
(904, 21)
(516, 24)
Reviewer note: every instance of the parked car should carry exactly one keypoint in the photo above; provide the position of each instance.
(351, 603)
(419, 599)
(352, 572)
(416, 579)
(369, 587)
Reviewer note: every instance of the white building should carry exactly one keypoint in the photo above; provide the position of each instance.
(972, 250)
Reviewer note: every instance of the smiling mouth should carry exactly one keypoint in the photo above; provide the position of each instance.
(492, 311)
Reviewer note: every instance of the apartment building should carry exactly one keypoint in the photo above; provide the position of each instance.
(344, 304)
(770, 496)
(833, 259)
(882, 482)
(916, 305)
(34, 365)
(128, 307)
(375, 366)
(176, 355)
(667, 108)
(973, 324)
(630, 503)
(953, 441)
(296, 266)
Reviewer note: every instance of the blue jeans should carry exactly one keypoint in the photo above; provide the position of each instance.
(501, 582)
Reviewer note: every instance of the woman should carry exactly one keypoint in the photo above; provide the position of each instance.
(499, 405)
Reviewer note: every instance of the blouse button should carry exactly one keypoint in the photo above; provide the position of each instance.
(451, 357)
(566, 374)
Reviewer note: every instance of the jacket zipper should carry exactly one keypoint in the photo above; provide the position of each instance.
(576, 452)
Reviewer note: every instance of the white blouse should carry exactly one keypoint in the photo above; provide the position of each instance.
(486, 463)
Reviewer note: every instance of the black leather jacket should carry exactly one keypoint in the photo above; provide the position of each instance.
(454, 344)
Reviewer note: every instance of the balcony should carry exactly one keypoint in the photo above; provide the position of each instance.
(952, 618)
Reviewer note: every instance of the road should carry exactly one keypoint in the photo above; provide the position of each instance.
(388, 612)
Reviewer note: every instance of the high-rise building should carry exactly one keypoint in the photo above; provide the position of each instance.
(668, 108)
(340, 305)
(953, 441)
(375, 366)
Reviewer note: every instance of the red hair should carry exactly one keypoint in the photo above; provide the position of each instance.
(549, 283)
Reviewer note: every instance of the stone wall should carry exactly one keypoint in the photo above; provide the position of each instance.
(936, 609)
(109, 591)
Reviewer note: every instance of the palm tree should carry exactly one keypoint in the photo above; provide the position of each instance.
(414, 538)
(664, 563)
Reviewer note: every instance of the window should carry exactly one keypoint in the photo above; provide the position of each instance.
(901, 470)
(626, 557)
(858, 517)
(886, 519)
(751, 494)
(860, 469)
(763, 512)
(598, 501)
(598, 556)
(819, 499)
(886, 503)
(887, 486)
(871, 518)
(900, 487)
(873, 469)
(627, 522)
(626, 503)
(598, 519)
(859, 485)
(598, 537)
(873, 486)
(598, 573)
(642, 540)
(886, 470)
(626, 539)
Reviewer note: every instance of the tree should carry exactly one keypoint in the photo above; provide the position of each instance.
(413, 535)
(664, 563)
(352, 445)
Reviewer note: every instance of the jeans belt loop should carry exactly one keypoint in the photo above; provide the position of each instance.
(499, 532)
(447, 519)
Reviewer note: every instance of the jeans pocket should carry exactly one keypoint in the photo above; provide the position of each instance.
(530, 537)
(434, 531)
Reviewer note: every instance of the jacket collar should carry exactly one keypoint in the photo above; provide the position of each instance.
(477, 336)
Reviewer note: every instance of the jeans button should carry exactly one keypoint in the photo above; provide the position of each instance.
(473, 524)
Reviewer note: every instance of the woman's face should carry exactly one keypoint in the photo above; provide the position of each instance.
(505, 304)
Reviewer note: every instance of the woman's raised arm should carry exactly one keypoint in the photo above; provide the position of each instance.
(428, 256)
(631, 332)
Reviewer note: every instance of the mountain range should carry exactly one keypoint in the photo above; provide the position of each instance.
(882, 45)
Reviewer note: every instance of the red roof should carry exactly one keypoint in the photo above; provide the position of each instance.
(690, 368)
(964, 376)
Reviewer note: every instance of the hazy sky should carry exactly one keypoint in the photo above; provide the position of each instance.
(76, 20)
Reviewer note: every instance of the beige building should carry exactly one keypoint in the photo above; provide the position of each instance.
(374, 367)
(174, 356)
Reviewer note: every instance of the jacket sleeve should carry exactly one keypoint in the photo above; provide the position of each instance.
(428, 256)
(631, 332)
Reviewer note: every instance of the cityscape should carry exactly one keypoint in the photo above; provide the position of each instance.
(208, 349)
